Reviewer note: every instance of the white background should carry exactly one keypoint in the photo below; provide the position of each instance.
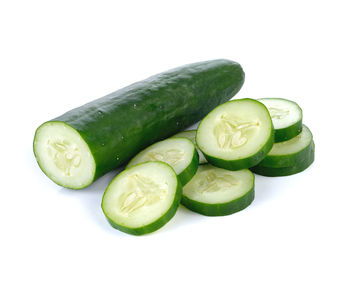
(57, 55)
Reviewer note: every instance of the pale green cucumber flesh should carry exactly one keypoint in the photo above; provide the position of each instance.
(218, 192)
(191, 135)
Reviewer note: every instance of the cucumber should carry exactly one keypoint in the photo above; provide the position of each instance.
(191, 135)
(290, 152)
(286, 171)
(143, 198)
(217, 192)
(179, 153)
(81, 145)
(286, 117)
(236, 135)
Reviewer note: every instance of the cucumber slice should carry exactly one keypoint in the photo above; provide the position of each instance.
(143, 198)
(217, 192)
(286, 171)
(286, 117)
(236, 135)
(63, 155)
(179, 153)
(191, 135)
(290, 152)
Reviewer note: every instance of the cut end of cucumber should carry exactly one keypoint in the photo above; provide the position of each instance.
(63, 155)
(138, 200)
(283, 112)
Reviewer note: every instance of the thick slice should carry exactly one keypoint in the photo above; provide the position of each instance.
(143, 198)
(112, 129)
(217, 192)
(179, 153)
(191, 135)
(290, 152)
(286, 117)
(236, 135)
(286, 171)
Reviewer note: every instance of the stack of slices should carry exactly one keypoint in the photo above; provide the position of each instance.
(209, 170)
(294, 148)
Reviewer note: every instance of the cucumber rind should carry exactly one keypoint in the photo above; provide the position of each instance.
(221, 209)
(183, 134)
(290, 159)
(185, 175)
(286, 171)
(243, 163)
(50, 176)
(288, 133)
(158, 223)
(214, 210)
(291, 131)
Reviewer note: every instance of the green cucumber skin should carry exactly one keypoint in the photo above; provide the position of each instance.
(117, 126)
(223, 209)
(288, 160)
(186, 175)
(154, 225)
(286, 171)
(288, 133)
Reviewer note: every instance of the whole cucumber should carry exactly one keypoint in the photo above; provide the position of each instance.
(81, 145)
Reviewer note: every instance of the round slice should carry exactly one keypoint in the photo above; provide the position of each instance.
(179, 153)
(236, 135)
(191, 135)
(63, 155)
(286, 171)
(286, 117)
(218, 192)
(143, 198)
(290, 152)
